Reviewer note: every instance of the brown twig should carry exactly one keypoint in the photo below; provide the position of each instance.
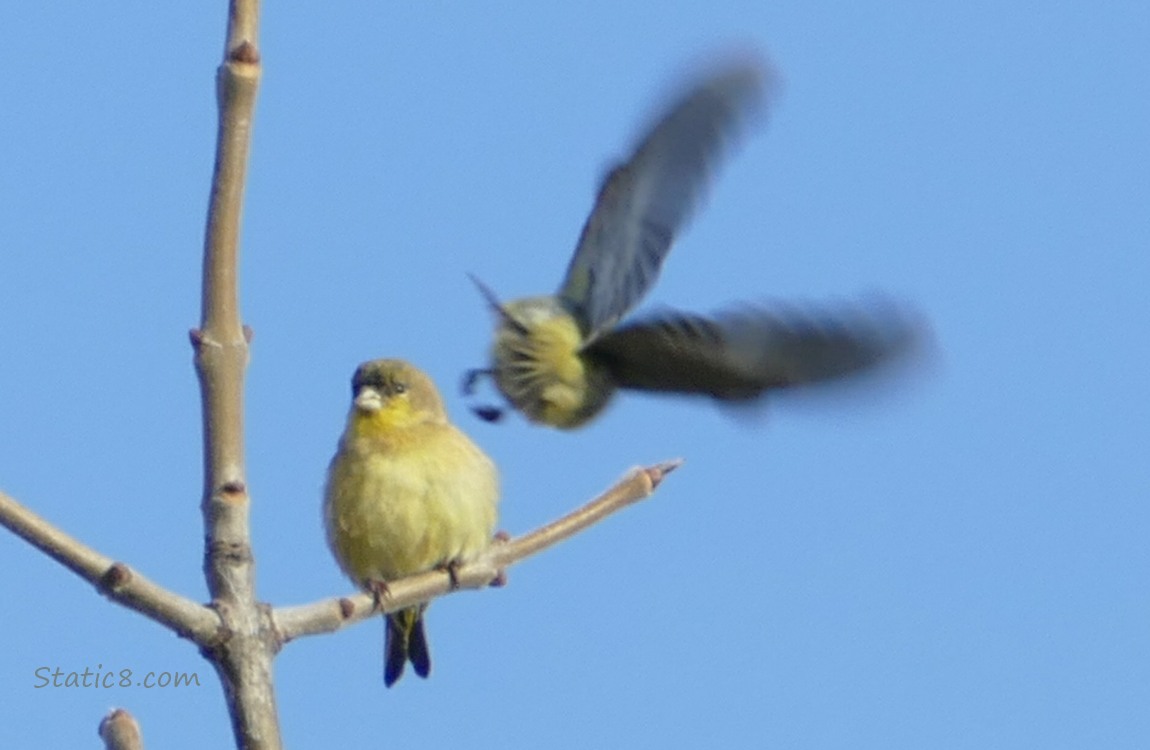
(244, 659)
(115, 580)
(120, 731)
(333, 614)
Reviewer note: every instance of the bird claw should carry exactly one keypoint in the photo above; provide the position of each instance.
(451, 568)
(490, 414)
(379, 592)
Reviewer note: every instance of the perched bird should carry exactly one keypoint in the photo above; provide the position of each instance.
(559, 359)
(406, 492)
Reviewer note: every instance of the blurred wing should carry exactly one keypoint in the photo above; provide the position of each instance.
(644, 202)
(741, 354)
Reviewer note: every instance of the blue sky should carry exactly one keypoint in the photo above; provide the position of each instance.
(959, 562)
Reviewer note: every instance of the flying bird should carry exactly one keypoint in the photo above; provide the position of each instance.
(560, 358)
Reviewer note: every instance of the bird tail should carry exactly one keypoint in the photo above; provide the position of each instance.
(405, 641)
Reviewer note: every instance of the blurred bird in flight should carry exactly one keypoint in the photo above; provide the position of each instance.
(406, 492)
(560, 358)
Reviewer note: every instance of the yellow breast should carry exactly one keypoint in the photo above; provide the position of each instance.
(398, 504)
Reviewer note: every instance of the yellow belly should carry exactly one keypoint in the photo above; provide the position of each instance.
(411, 506)
(539, 367)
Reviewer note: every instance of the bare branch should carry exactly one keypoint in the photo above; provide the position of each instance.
(115, 580)
(120, 731)
(244, 659)
(332, 614)
(637, 485)
(243, 26)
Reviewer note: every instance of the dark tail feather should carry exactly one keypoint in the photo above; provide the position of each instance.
(405, 640)
(395, 650)
(417, 649)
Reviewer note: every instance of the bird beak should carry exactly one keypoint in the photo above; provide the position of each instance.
(368, 399)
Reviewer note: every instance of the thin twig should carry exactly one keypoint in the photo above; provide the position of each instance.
(120, 731)
(115, 580)
(333, 614)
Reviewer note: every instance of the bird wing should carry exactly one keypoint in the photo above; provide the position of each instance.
(740, 354)
(646, 200)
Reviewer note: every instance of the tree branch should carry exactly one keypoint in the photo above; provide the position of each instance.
(236, 633)
(244, 659)
(115, 580)
(120, 731)
(332, 614)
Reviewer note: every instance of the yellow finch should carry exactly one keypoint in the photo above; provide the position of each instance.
(559, 359)
(406, 492)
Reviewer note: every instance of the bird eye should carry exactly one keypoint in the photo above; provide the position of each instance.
(399, 388)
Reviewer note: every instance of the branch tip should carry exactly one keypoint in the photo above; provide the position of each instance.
(486, 571)
(120, 731)
(658, 472)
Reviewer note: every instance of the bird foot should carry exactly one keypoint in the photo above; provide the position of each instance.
(470, 384)
(490, 414)
(451, 568)
(379, 592)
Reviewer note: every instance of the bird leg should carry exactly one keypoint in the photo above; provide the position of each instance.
(471, 380)
(472, 377)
